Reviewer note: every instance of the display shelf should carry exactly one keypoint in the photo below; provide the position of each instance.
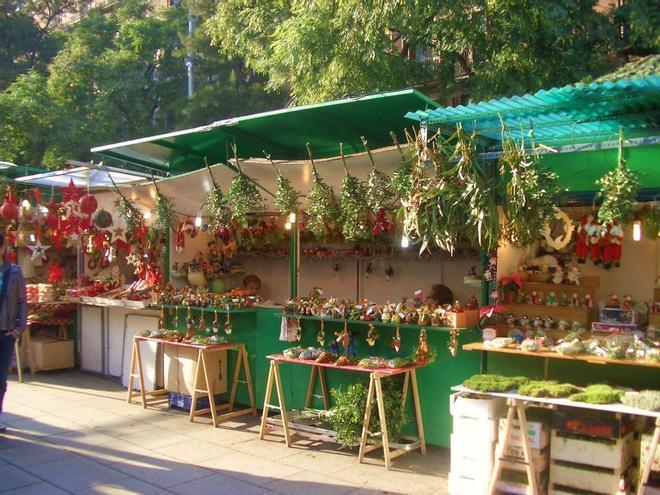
(376, 323)
(479, 346)
(557, 313)
(205, 308)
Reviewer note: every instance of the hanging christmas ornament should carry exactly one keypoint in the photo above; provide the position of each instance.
(216, 323)
(55, 272)
(8, 209)
(190, 324)
(421, 353)
(102, 219)
(372, 335)
(88, 204)
(228, 327)
(71, 192)
(175, 323)
(38, 251)
(299, 331)
(202, 322)
(320, 337)
(396, 340)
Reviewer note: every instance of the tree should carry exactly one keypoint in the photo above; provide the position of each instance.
(325, 49)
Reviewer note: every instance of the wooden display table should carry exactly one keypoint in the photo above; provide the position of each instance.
(375, 390)
(199, 389)
(26, 337)
(517, 405)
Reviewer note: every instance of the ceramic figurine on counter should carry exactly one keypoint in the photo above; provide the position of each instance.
(524, 321)
(511, 320)
(533, 297)
(574, 275)
(540, 298)
(563, 299)
(457, 307)
(545, 273)
(558, 276)
(575, 300)
(551, 299)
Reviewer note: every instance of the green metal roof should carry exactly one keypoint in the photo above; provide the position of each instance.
(281, 133)
(572, 114)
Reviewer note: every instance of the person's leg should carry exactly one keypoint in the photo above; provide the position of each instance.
(6, 349)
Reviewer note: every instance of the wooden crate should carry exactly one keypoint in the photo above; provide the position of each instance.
(581, 478)
(457, 320)
(605, 453)
(540, 457)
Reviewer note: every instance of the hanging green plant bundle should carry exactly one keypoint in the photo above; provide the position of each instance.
(165, 214)
(129, 213)
(651, 222)
(618, 188)
(321, 204)
(353, 211)
(402, 181)
(243, 196)
(531, 194)
(379, 192)
(286, 196)
(219, 213)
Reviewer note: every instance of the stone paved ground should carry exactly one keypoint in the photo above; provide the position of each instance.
(71, 432)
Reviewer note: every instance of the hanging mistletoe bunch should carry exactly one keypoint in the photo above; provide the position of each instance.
(618, 188)
(353, 212)
(129, 213)
(165, 214)
(219, 213)
(321, 206)
(531, 194)
(378, 191)
(286, 196)
(244, 197)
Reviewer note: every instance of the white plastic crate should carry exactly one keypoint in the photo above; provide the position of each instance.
(475, 430)
(460, 485)
(486, 408)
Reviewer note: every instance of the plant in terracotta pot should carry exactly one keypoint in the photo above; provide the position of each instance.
(510, 287)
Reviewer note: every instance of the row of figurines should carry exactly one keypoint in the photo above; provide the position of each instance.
(403, 312)
(542, 322)
(572, 301)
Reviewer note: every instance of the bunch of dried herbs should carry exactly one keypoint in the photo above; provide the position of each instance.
(531, 193)
(321, 204)
(244, 197)
(353, 211)
(286, 196)
(219, 213)
(618, 188)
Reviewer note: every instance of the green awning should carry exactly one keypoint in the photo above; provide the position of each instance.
(281, 133)
(578, 113)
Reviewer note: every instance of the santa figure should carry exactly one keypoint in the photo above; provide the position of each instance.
(616, 241)
(581, 247)
(594, 240)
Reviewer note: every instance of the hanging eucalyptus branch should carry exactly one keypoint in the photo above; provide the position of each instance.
(378, 190)
(165, 214)
(353, 211)
(321, 204)
(286, 196)
(219, 213)
(618, 188)
(243, 196)
(531, 193)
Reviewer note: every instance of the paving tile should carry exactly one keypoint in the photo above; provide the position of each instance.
(273, 450)
(12, 439)
(160, 472)
(33, 454)
(36, 427)
(125, 486)
(193, 451)
(155, 438)
(75, 473)
(323, 459)
(250, 469)
(307, 483)
(42, 488)
(12, 477)
(217, 483)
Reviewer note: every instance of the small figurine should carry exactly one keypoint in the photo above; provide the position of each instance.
(533, 297)
(511, 320)
(458, 307)
(558, 276)
(574, 275)
(372, 335)
(524, 321)
(540, 298)
(576, 326)
(545, 273)
(548, 322)
(472, 303)
(562, 325)
(613, 301)
(551, 300)
(537, 322)
(521, 297)
(563, 299)
(627, 302)
(494, 297)
(587, 302)
(575, 300)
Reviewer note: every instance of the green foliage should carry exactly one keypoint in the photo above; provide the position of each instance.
(645, 399)
(548, 388)
(321, 206)
(347, 415)
(494, 383)
(353, 213)
(531, 193)
(244, 198)
(327, 49)
(651, 221)
(129, 213)
(378, 190)
(219, 212)
(618, 188)
(286, 197)
(598, 394)
(165, 214)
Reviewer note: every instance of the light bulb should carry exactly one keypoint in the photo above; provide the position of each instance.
(44, 210)
(405, 242)
(198, 221)
(287, 226)
(147, 215)
(25, 203)
(32, 238)
(637, 230)
(292, 217)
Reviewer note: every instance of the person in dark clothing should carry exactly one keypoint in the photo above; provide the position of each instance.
(441, 295)
(13, 316)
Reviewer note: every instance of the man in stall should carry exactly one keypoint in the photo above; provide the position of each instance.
(13, 316)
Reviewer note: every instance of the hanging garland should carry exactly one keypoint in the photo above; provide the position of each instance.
(618, 188)
(286, 197)
(353, 212)
(165, 214)
(321, 204)
(531, 194)
(131, 215)
(243, 195)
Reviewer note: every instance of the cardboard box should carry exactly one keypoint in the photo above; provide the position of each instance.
(471, 317)
(180, 364)
(600, 452)
(540, 458)
(456, 320)
(49, 353)
(516, 482)
(537, 434)
(481, 408)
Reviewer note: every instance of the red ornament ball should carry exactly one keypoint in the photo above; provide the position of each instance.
(88, 204)
(9, 210)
